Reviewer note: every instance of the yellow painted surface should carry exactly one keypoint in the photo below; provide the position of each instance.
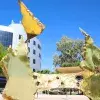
(31, 24)
(20, 85)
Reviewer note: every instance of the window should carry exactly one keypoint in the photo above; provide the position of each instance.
(6, 38)
(33, 70)
(34, 51)
(34, 43)
(34, 61)
(20, 36)
(28, 49)
(39, 55)
(39, 46)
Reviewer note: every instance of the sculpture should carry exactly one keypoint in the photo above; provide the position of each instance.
(31, 24)
(91, 54)
(20, 84)
(49, 81)
(91, 61)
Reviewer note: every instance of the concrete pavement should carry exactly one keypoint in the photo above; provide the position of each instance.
(58, 97)
(61, 97)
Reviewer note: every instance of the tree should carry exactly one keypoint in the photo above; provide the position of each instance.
(69, 52)
(46, 71)
(3, 52)
(57, 60)
(0, 70)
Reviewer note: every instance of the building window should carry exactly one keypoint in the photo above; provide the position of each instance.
(34, 43)
(39, 55)
(28, 49)
(33, 70)
(34, 61)
(6, 38)
(20, 36)
(34, 51)
(39, 46)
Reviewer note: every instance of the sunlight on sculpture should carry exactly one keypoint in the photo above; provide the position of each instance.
(91, 54)
(31, 24)
(49, 81)
(20, 84)
(23, 83)
(91, 61)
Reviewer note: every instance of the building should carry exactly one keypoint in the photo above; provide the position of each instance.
(6, 35)
(10, 35)
(34, 47)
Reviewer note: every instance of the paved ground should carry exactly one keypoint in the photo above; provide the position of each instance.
(62, 97)
(1, 97)
(59, 97)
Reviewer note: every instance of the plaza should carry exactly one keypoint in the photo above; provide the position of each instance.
(70, 64)
(61, 97)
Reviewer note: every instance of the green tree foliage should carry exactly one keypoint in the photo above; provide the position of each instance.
(46, 71)
(55, 72)
(69, 52)
(56, 60)
(3, 52)
(0, 71)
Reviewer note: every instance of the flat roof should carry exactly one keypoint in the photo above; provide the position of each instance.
(6, 28)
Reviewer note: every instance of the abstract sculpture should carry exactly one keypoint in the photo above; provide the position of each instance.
(91, 61)
(20, 84)
(90, 54)
(31, 24)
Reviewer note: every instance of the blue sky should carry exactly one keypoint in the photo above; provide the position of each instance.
(61, 18)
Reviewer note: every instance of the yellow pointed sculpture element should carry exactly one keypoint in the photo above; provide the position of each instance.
(20, 84)
(91, 61)
(90, 54)
(31, 24)
(88, 39)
